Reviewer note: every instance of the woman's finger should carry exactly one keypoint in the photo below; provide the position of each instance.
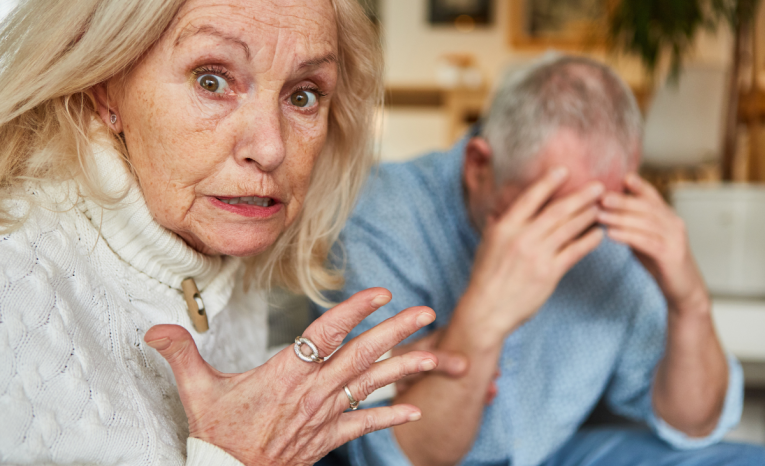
(357, 355)
(328, 331)
(535, 197)
(385, 373)
(354, 424)
(450, 364)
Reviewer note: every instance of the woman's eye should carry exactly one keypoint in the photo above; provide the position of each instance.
(304, 98)
(213, 83)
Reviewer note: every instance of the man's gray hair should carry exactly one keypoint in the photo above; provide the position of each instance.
(561, 91)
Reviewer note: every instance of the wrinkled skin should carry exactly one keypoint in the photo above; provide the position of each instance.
(641, 219)
(290, 412)
(233, 102)
(190, 146)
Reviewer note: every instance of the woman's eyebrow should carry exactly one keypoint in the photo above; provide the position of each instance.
(190, 31)
(328, 58)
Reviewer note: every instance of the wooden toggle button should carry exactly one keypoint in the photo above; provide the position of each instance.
(195, 305)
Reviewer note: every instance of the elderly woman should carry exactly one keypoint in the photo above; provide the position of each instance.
(162, 161)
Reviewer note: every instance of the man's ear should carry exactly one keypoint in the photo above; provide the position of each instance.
(478, 169)
(107, 108)
(636, 157)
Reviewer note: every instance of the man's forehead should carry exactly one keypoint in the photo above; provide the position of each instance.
(585, 159)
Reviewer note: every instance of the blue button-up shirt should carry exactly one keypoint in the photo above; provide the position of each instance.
(601, 333)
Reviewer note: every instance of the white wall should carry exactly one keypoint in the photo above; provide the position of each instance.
(409, 132)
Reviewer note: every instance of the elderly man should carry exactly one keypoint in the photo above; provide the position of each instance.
(547, 258)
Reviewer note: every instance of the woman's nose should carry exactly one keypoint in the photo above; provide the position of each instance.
(262, 138)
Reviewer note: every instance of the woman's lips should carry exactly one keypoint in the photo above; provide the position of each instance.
(248, 206)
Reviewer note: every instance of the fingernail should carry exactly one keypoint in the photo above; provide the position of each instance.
(427, 365)
(559, 173)
(380, 300)
(159, 345)
(597, 189)
(414, 416)
(424, 319)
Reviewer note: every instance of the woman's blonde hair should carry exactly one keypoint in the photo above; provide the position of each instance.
(52, 53)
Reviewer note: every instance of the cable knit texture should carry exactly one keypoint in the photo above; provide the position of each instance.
(80, 286)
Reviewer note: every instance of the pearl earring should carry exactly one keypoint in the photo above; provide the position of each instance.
(113, 118)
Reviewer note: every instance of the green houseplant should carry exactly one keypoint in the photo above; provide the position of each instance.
(652, 29)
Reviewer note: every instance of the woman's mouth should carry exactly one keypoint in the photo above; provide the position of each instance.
(249, 206)
(249, 200)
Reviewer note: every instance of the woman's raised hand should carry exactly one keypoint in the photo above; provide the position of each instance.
(291, 412)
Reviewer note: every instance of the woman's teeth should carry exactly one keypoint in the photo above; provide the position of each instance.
(251, 200)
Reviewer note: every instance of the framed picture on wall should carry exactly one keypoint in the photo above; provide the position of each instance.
(565, 24)
(443, 12)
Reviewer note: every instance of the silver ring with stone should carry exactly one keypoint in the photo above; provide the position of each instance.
(351, 399)
(313, 357)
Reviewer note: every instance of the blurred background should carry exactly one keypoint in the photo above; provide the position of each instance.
(697, 68)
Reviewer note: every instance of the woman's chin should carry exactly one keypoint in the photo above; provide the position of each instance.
(234, 243)
(240, 247)
(245, 250)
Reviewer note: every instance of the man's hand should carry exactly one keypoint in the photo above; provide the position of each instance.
(642, 220)
(524, 254)
(452, 365)
(692, 379)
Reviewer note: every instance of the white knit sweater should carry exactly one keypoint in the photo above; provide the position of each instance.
(80, 286)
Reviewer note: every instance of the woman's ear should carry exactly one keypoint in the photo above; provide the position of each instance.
(107, 108)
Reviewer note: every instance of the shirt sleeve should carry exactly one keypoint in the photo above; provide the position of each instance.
(631, 389)
(729, 418)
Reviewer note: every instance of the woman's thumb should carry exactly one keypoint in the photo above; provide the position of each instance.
(175, 344)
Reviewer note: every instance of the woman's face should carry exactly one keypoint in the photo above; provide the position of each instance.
(225, 116)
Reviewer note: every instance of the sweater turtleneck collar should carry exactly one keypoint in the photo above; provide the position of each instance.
(132, 233)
